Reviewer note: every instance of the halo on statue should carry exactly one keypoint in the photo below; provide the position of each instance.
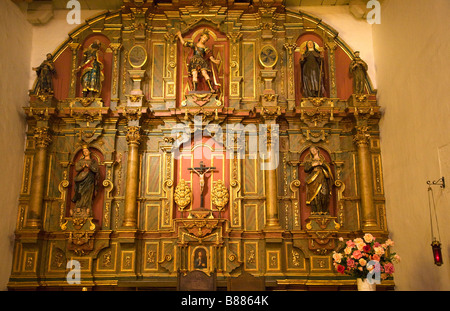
(316, 45)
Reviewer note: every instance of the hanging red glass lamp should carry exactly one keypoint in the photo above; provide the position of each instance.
(436, 245)
(437, 253)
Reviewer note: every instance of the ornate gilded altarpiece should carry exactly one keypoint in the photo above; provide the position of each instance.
(157, 210)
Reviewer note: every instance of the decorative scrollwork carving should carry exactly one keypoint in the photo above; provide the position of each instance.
(183, 194)
(220, 195)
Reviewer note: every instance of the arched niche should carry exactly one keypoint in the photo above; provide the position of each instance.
(98, 200)
(301, 42)
(106, 59)
(338, 56)
(305, 210)
(219, 44)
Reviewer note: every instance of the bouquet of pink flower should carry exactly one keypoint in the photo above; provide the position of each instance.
(362, 255)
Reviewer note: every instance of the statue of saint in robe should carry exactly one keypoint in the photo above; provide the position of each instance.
(86, 181)
(358, 70)
(92, 75)
(45, 72)
(318, 183)
(311, 62)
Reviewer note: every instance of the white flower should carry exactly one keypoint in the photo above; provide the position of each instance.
(348, 250)
(379, 251)
(368, 238)
(337, 257)
(362, 262)
(360, 245)
(389, 242)
(358, 240)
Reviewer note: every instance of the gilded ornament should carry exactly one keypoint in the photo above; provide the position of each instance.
(183, 194)
(137, 56)
(362, 136)
(42, 137)
(220, 195)
(133, 134)
(268, 56)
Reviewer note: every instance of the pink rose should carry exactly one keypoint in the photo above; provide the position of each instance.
(350, 263)
(357, 254)
(376, 257)
(389, 268)
(350, 243)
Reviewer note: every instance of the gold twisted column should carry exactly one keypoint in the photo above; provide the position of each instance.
(361, 140)
(132, 178)
(34, 215)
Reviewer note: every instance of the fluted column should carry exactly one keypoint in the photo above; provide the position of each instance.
(368, 211)
(34, 215)
(132, 178)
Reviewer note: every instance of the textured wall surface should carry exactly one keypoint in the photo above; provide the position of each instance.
(15, 47)
(412, 45)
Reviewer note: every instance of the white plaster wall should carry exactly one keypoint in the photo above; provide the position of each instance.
(412, 56)
(15, 47)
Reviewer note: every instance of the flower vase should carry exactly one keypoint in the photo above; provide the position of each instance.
(365, 286)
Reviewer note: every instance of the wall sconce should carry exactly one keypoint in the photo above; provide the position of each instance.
(435, 244)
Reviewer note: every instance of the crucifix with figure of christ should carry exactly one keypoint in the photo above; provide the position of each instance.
(201, 171)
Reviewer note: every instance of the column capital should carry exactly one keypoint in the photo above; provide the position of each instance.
(42, 137)
(133, 135)
(362, 137)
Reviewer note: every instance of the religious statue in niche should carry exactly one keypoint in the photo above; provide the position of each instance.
(319, 182)
(45, 73)
(92, 70)
(358, 70)
(312, 63)
(86, 184)
(202, 62)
